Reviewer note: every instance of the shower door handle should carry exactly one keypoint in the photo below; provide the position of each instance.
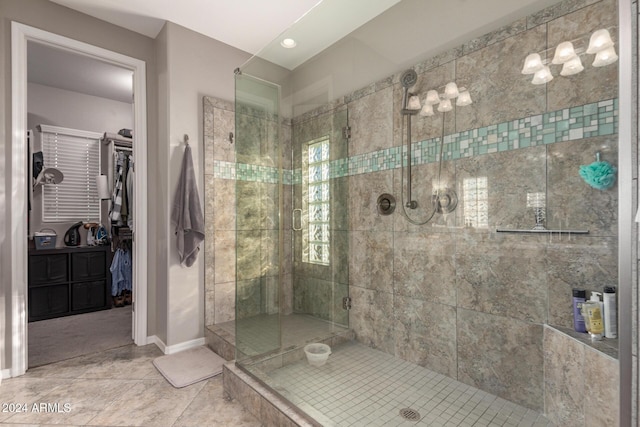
(293, 220)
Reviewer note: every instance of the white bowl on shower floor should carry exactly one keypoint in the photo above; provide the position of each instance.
(317, 353)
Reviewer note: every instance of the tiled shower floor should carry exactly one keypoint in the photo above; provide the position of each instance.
(359, 386)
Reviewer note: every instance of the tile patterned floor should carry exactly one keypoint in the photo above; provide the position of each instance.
(118, 387)
(360, 386)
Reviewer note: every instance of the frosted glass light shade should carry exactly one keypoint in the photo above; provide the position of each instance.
(532, 64)
(414, 103)
(464, 99)
(445, 105)
(564, 53)
(605, 57)
(432, 97)
(427, 110)
(571, 67)
(542, 76)
(600, 40)
(450, 91)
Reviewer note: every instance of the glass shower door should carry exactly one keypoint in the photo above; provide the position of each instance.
(320, 222)
(258, 207)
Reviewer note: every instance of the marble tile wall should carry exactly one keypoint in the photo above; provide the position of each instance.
(580, 383)
(220, 213)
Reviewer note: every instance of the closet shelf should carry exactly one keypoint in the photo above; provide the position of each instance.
(567, 231)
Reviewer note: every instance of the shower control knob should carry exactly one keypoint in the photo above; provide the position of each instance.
(412, 204)
(386, 204)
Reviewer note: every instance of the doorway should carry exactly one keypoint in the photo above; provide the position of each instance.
(22, 35)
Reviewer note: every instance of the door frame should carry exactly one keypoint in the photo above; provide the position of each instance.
(17, 214)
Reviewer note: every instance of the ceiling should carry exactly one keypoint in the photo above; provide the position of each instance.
(245, 24)
(66, 70)
(408, 29)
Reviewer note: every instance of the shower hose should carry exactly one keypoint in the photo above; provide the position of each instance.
(436, 200)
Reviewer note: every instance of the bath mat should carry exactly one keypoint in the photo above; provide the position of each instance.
(189, 366)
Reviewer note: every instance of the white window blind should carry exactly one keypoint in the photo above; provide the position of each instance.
(76, 154)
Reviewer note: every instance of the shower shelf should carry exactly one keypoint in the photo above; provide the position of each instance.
(568, 231)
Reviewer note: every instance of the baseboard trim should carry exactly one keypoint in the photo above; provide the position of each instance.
(5, 373)
(170, 349)
(153, 339)
(185, 346)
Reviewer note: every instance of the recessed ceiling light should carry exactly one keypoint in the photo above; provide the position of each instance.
(288, 43)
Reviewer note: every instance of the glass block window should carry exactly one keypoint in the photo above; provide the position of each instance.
(318, 203)
(476, 202)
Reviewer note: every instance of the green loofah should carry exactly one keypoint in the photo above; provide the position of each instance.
(600, 175)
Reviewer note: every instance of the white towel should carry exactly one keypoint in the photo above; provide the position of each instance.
(186, 214)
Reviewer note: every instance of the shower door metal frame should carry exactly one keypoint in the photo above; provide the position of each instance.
(627, 204)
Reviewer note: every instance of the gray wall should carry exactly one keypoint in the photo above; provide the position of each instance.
(195, 66)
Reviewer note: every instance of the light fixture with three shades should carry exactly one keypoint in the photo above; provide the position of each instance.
(600, 44)
(451, 91)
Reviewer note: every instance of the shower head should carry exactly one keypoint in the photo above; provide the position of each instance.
(408, 78)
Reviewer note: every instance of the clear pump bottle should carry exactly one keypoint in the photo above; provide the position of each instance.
(592, 312)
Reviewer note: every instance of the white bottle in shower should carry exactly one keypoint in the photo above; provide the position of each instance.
(610, 312)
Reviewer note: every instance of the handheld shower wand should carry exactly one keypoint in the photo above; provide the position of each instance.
(408, 79)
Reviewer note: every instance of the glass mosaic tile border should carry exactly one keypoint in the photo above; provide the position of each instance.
(584, 121)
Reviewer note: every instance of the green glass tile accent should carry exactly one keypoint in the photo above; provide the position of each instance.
(606, 129)
(549, 138)
(562, 125)
(576, 111)
(585, 121)
(590, 109)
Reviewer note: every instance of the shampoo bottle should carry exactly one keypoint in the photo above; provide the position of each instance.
(610, 312)
(592, 312)
(579, 297)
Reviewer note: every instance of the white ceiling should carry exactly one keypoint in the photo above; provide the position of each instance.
(408, 29)
(245, 24)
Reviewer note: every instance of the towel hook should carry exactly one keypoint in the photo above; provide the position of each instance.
(186, 139)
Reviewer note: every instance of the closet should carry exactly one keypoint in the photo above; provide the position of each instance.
(120, 177)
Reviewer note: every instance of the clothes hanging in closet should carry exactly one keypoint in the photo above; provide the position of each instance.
(121, 271)
(116, 196)
(122, 196)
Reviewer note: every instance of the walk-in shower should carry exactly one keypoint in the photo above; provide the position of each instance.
(431, 309)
